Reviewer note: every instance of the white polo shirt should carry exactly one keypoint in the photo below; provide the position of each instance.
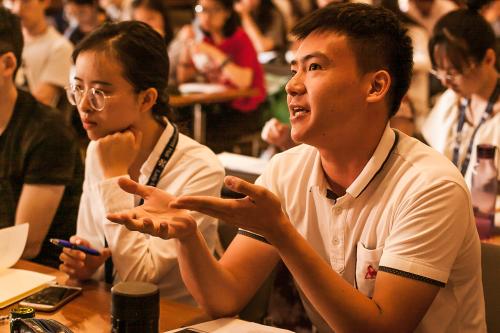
(440, 131)
(193, 169)
(407, 213)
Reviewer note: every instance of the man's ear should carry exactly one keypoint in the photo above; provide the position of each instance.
(379, 86)
(148, 98)
(8, 64)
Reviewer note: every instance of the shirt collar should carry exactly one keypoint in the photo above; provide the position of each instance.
(371, 169)
(150, 163)
(375, 163)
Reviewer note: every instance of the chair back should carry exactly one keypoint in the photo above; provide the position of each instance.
(490, 261)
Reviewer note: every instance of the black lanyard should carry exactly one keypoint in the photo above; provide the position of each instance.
(163, 160)
(461, 121)
(153, 181)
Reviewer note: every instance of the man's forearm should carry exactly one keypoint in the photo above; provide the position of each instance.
(211, 285)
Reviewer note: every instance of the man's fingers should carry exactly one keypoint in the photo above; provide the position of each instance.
(128, 185)
(239, 185)
(215, 207)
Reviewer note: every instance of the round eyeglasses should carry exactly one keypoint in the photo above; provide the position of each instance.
(96, 97)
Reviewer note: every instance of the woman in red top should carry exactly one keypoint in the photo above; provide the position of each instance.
(223, 53)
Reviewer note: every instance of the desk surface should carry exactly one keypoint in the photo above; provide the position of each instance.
(207, 98)
(90, 312)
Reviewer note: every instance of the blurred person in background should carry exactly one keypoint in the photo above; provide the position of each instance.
(83, 16)
(263, 23)
(462, 50)
(217, 50)
(427, 12)
(46, 60)
(40, 166)
(155, 13)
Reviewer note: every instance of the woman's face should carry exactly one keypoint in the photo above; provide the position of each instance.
(212, 16)
(464, 82)
(121, 106)
(151, 17)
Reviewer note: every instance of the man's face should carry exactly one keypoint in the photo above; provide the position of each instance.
(326, 94)
(31, 12)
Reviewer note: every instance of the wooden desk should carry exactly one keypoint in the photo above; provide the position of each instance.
(198, 99)
(90, 312)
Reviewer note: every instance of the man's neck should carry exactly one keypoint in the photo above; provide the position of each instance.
(151, 132)
(36, 30)
(8, 99)
(343, 164)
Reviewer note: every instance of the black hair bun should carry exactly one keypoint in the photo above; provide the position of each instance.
(476, 5)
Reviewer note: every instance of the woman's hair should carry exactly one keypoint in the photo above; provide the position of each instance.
(233, 21)
(142, 54)
(464, 34)
(160, 7)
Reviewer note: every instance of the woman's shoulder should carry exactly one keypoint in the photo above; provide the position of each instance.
(192, 152)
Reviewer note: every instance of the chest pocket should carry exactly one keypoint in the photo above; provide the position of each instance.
(367, 261)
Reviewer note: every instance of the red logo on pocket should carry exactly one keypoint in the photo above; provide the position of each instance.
(371, 273)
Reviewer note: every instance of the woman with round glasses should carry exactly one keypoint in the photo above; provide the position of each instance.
(462, 51)
(219, 51)
(119, 89)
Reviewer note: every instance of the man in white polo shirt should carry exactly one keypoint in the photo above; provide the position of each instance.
(376, 228)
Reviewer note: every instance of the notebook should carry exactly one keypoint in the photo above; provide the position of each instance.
(229, 325)
(16, 284)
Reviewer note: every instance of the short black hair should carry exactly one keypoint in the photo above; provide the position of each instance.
(465, 36)
(142, 53)
(11, 35)
(377, 37)
(160, 7)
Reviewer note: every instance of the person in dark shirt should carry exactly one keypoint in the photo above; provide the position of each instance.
(40, 164)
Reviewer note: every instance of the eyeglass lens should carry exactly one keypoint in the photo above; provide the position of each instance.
(96, 97)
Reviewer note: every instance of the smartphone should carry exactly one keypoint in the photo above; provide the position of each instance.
(51, 298)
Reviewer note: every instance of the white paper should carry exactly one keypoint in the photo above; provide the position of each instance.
(15, 284)
(232, 325)
(12, 242)
(242, 163)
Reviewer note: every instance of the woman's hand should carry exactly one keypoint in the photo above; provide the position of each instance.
(216, 56)
(79, 265)
(155, 216)
(116, 152)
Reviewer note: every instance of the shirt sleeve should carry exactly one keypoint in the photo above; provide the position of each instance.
(428, 232)
(52, 155)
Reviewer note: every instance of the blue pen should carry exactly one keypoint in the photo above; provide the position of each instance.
(65, 243)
